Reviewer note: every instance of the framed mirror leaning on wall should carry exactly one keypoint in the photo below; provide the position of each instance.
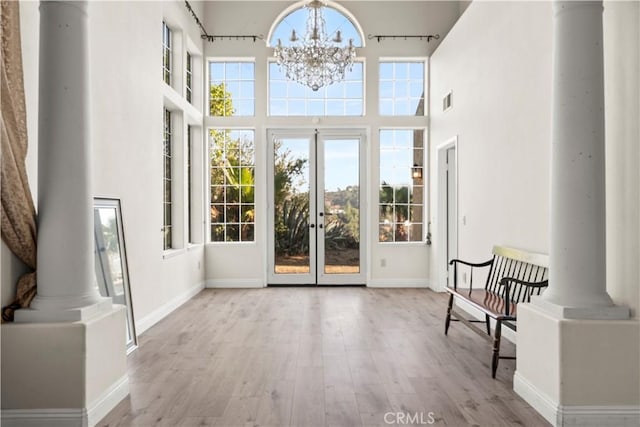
(112, 274)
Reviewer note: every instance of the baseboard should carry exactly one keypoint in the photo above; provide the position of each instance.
(599, 416)
(438, 288)
(538, 400)
(575, 416)
(398, 283)
(161, 312)
(477, 314)
(44, 418)
(234, 283)
(98, 409)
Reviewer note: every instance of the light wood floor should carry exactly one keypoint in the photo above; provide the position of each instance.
(316, 357)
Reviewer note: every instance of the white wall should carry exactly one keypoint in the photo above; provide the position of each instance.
(127, 126)
(496, 61)
(622, 96)
(245, 264)
(126, 130)
(500, 77)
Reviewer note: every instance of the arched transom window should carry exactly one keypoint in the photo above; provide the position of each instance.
(337, 18)
(287, 97)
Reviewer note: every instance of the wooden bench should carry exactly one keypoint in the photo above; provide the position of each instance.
(513, 276)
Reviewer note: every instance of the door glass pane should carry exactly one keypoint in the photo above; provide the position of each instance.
(291, 205)
(341, 206)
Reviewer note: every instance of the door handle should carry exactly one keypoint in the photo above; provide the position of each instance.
(319, 225)
(321, 214)
(312, 225)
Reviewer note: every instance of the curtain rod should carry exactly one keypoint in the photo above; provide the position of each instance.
(193, 13)
(381, 37)
(214, 37)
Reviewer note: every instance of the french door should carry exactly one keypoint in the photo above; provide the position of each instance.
(315, 207)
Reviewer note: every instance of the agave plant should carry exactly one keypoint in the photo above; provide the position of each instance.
(292, 226)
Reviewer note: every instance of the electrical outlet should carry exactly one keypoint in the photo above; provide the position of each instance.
(198, 265)
(383, 262)
(464, 278)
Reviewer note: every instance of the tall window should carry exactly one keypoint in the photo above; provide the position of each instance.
(288, 98)
(189, 186)
(401, 195)
(189, 77)
(402, 89)
(232, 88)
(166, 53)
(167, 229)
(232, 185)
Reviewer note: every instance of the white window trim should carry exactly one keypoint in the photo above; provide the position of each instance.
(171, 176)
(189, 72)
(425, 61)
(171, 52)
(207, 107)
(207, 218)
(426, 205)
(359, 59)
(171, 253)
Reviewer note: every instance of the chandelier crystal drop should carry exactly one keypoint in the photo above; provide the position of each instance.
(315, 60)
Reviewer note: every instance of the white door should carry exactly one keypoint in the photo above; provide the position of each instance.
(315, 214)
(452, 209)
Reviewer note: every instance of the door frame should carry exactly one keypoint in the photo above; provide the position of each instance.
(321, 133)
(443, 218)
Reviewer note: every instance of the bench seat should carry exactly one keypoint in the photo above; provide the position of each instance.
(513, 276)
(487, 302)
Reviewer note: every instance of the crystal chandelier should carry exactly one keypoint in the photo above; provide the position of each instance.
(315, 60)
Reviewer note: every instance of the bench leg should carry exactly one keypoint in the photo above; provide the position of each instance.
(488, 320)
(496, 348)
(447, 321)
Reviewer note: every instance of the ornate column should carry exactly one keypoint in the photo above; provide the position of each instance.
(66, 283)
(577, 275)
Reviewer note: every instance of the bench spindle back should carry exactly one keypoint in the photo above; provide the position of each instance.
(509, 262)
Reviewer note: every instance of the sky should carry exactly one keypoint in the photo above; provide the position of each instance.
(341, 161)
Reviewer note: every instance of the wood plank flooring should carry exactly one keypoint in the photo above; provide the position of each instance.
(316, 357)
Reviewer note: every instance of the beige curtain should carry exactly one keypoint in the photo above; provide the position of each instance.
(18, 212)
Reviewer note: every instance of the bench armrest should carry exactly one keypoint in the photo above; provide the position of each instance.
(455, 263)
(528, 289)
(471, 264)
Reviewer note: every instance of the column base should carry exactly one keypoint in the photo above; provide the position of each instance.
(578, 372)
(64, 374)
(613, 312)
(30, 315)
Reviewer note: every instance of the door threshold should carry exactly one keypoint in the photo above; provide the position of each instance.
(288, 285)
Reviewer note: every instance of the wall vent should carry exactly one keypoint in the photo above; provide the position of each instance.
(446, 102)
